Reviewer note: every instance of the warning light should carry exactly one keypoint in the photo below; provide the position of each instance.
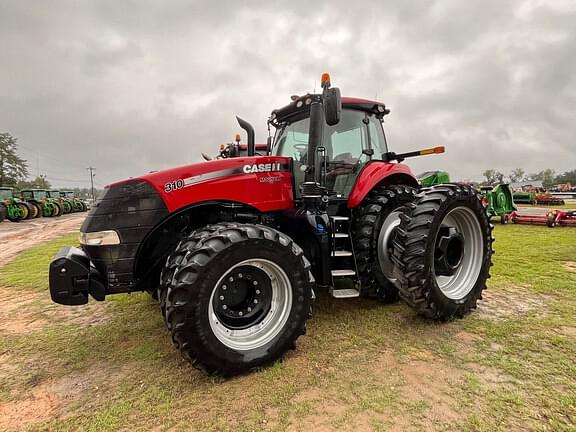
(325, 80)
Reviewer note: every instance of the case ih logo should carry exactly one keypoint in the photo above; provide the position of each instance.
(258, 168)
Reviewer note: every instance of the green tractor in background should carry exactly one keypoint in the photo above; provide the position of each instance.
(499, 201)
(41, 198)
(14, 209)
(66, 203)
(77, 204)
(432, 178)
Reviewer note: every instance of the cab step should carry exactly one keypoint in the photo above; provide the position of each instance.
(341, 253)
(343, 273)
(345, 293)
(340, 218)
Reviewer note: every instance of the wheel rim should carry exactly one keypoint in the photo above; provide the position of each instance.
(462, 222)
(384, 239)
(243, 319)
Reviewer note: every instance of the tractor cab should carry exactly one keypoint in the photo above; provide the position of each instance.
(35, 194)
(5, 193)
(345, 147)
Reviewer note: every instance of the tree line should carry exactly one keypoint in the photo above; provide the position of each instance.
(548, 177)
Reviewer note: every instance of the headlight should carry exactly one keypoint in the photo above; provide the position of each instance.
(99, 238)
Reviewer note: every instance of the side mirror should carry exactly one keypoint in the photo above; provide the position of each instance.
(332, 106)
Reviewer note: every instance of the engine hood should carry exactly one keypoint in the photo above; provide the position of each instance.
(263, 182)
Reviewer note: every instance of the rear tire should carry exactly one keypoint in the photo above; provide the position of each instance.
(26, 209)
(66, 207)
(34, 212)
(232, 329)
(372, 232)
(57, 211)
(443, 251)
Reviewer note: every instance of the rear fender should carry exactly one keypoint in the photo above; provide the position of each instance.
(378, 172)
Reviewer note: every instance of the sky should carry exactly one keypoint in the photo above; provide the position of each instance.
(140, 85)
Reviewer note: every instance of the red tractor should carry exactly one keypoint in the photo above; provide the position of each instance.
(235, 248)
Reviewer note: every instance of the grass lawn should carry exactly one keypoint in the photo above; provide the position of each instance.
(510, 365)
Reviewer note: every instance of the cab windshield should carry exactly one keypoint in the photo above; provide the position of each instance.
(348, 145)
(5, 194)
(37, 195)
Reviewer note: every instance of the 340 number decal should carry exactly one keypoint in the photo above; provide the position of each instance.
(174, 185)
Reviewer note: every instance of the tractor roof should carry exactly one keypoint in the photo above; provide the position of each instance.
(301, 105)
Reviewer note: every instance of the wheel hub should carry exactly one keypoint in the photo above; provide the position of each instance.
(449, 251)
(243, 298)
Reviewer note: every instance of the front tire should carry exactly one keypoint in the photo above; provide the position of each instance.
(443, 251)
(238, 297)
(373, 227)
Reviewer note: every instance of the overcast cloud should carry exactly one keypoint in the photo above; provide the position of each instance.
(134, 86)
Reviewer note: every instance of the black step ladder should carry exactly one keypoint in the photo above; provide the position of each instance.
(345, 282)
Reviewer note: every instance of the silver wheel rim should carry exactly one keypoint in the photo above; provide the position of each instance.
(459, 285)
(266, 330)
(388, 226)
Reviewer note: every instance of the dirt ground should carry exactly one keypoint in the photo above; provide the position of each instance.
(17, 237)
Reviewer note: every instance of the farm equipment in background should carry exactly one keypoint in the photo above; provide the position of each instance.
(39, 198)
(431, 178)
(524, 197)
(545, 199)
(498, 201)
(553, 218)
(12, 208)
(537, 198)
(235, 249)
(77, 204)
(66, 204)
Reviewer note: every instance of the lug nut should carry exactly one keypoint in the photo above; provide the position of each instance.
(255, 283)
(221, 297)
(257, 291)
(224, 287)
(240, 275)
(249, 309)
(255, 301)
(231, 279)
(224, 307)
(240, 313)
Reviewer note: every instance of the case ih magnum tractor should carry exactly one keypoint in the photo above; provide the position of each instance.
(236, 248)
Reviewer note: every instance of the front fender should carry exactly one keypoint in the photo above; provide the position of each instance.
(376, 172)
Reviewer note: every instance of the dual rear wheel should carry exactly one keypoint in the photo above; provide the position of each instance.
(432, 249)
